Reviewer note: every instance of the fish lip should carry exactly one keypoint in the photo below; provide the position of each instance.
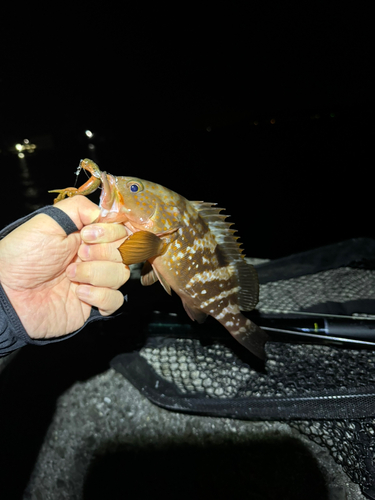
(112, 210)
(107, 194)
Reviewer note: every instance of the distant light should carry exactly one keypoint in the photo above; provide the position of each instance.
(273, 120)
(21, 155)
(26, 146)
(208, 129)
(332, 115)
(91, 146)
(256, 122)
(89, 134)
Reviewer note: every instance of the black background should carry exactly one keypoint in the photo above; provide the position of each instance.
(172, 94)
(183, 95)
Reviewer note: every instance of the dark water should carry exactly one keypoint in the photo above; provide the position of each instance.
(294, 185)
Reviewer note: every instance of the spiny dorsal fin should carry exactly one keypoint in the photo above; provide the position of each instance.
(225, 236)
(222, 231)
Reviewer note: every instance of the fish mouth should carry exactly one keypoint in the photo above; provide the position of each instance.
(113, 207)
(111, 201)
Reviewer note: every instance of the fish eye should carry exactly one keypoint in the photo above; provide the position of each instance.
(135, 186)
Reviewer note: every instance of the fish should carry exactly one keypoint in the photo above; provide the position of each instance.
(188, 246)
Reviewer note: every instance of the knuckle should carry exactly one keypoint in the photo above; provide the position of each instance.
(110, 301)
(89, 272)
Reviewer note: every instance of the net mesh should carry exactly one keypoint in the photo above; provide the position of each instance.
(326, 392)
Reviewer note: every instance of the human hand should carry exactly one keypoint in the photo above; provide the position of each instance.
(53, 280)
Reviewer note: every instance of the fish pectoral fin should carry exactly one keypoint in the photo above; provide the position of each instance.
(140, 246)
(194, 314)
(149, 276)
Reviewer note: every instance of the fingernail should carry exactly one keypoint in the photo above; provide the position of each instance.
(84, 252)
(83, 292)
(71, 270)
(91, 233)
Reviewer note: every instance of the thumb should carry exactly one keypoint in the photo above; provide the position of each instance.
(80, 209)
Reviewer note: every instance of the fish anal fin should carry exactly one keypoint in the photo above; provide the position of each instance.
(253, 338)
(140, 246)
(194, 313)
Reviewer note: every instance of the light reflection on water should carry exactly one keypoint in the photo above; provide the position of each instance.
(32, 198)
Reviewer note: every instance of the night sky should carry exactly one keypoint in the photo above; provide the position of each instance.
(187, 98)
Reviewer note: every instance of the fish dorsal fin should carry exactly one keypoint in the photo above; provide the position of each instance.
(224, 235)
(141, 246)
(247, 276)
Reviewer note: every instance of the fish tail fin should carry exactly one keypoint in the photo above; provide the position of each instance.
(248, 334)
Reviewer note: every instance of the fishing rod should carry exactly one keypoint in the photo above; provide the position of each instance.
(322, 328)
(316, 328)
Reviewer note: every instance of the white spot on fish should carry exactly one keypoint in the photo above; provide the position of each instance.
(222, 273)
(203, 292)
(208, 242)
(229, 323)
(230, 309)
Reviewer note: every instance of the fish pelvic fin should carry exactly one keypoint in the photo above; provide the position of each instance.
(149, 276)
(140, 246)
(194, 313)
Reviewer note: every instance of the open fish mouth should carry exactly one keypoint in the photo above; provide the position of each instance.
(113, 208)
(111, 203)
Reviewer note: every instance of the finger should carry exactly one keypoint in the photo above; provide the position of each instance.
(80, 209)
(101, 274)
(103, 233)
(105, 299)
(102, 251)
